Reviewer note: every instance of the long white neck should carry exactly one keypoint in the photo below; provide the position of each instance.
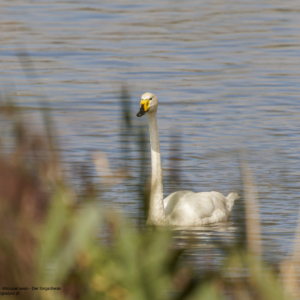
(156, 210)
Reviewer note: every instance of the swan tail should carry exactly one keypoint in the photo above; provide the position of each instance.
(231, 197)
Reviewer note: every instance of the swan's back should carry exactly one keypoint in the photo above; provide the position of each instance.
(196, 209)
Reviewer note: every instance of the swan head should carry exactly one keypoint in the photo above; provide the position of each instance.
(148, 104)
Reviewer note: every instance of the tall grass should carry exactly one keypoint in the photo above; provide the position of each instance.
(51, 238)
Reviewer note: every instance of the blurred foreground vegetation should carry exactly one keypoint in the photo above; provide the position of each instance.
(52, 238)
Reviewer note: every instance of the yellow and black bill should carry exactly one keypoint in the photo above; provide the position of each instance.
(145, 105)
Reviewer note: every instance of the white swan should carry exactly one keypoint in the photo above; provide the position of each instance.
(182, 208)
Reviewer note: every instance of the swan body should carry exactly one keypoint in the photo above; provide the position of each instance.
(182, 208)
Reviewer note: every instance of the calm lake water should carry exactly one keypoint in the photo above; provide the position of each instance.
(227, 77)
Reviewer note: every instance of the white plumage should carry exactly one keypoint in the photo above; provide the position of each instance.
(182, 208)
